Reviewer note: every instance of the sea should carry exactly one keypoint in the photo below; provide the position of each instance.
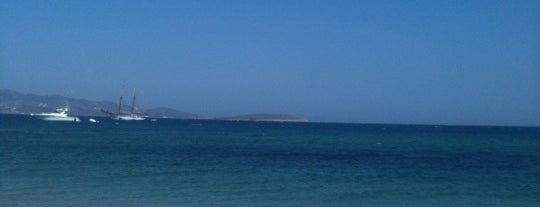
(170, 162)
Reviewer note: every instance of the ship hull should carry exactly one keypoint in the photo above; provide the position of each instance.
(129, 118)
(52, 118)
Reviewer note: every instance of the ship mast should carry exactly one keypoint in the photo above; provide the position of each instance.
(120, 106)
(133, 105)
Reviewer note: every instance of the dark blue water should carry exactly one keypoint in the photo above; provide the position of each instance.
(220, 163)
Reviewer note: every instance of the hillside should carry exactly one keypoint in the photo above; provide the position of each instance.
(12, 102)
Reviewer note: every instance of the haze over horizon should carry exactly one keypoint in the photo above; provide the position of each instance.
(422, 62)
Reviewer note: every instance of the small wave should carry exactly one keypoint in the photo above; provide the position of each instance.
(17, 131)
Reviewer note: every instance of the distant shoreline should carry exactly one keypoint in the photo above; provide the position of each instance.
(265, 117)
(13, 102)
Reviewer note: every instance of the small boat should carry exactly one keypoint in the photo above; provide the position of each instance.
(93, 120)
(59, 115)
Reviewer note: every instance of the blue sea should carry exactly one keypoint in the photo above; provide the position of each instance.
(226, 163)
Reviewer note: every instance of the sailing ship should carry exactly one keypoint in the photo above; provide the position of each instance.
(133, 115)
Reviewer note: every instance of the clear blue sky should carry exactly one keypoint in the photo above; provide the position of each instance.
(426, 62)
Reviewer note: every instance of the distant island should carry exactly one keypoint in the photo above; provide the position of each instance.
(265, 117)
(13, 102)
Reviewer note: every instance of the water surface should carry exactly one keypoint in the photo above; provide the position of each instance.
(225, 163)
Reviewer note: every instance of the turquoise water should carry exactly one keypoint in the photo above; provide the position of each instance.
(220, 163)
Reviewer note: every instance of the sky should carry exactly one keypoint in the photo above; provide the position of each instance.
(405, 62)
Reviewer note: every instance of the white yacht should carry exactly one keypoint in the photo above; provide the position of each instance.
(59, 115)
